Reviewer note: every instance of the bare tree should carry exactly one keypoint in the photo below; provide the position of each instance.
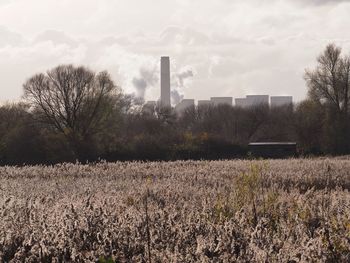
(329, 81)
(73, 100)
(329, 86)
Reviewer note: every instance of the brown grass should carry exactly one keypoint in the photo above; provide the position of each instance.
(224, 211)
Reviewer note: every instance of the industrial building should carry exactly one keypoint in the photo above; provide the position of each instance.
(257, 100)
(278, 101)
(248, 101)
(151, 103)
(204, 103)
(252, 101)
(184, 105)
(149, 107)
(221, 101)
(241, 102)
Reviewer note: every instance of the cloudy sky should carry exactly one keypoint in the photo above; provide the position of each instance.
(217, 47)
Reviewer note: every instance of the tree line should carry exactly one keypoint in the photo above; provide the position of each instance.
(73, 114)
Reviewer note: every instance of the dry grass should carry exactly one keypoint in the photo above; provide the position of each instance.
(224, 211)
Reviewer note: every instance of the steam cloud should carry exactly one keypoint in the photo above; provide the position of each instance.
(176, 97)
(147, 78)
(181, 77)
(140, 86)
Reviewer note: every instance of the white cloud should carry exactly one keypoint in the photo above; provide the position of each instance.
(234, 47)
(321, 2)
(57, 38)
(9, 38)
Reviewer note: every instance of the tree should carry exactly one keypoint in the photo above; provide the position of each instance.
(329, 82)
(309, 125)
(20, 140)
(73, 101)
(329, 86)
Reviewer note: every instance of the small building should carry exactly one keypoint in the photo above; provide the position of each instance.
(273, 149)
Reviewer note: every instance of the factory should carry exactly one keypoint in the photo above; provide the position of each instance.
(247, 102)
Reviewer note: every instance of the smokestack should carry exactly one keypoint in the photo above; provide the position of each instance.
(165, 82)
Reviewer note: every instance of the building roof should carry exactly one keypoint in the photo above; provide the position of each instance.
(272, 143)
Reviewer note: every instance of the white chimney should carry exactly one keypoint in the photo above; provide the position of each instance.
(165, 82)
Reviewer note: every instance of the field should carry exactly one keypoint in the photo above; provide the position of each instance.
(223, 211)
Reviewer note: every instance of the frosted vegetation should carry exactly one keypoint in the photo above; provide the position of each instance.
(221, 211)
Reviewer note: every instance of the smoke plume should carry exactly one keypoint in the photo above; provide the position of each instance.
(179, 84)
(176, 97)
(140, 86)
(146, 79)
(182, 76)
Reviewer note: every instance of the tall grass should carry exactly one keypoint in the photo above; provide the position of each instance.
(294, 210)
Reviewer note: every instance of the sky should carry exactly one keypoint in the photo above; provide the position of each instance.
(217, 47)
